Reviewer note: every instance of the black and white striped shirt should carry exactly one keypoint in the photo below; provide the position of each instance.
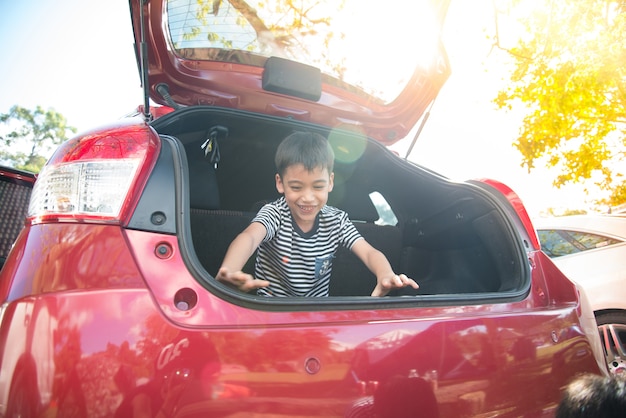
(297, 263)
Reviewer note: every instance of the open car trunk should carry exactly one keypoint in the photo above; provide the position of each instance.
(452, 238)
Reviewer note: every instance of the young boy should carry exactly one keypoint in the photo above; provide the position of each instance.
(298, 234)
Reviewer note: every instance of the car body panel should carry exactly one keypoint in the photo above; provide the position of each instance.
(231, 359)
(167, 277)
(591, 251)
(601, 271)
(50, 253)
(597, 274)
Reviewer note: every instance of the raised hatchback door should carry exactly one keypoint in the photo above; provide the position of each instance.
(361, 63)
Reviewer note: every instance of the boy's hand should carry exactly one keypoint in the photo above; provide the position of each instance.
(242, 281)
(396, 281)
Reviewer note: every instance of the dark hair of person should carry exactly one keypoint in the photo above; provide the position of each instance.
(592, 395)
(307, 148)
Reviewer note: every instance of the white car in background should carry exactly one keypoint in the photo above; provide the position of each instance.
(591, 250)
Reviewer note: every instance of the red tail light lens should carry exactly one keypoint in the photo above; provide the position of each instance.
(95, 177)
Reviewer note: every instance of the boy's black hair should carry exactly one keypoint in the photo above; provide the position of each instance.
(593, 396)
(307, 148)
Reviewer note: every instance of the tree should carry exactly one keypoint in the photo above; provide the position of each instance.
(281, 26)
(32, 134)
(570, 74)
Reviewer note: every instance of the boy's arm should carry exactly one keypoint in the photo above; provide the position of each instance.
(239, 251)
(378, 264)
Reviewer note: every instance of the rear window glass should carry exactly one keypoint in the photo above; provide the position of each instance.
(354, 41)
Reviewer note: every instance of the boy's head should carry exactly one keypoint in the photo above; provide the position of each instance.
(307, 148)
(592, 395)
(304, 162)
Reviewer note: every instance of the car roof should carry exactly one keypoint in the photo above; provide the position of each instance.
(362, 65)
(604, 224)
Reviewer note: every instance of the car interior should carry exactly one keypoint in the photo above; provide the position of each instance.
(449, 237)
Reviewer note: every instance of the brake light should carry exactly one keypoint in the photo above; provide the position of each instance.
(519, 208)
(96, 177)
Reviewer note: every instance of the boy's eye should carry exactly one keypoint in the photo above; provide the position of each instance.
(296, 188)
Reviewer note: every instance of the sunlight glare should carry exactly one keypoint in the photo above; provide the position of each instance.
(370, 58)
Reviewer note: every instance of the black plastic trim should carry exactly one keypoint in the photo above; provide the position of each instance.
(156, 210)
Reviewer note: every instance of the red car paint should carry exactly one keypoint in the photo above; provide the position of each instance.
(83, 329)
(90, 305)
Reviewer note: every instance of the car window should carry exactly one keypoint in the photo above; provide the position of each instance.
(236, 34)
(557, 243)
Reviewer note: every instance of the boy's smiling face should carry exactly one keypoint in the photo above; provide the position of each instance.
(306, 192)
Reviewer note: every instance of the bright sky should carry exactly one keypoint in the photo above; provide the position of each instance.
(77, 57)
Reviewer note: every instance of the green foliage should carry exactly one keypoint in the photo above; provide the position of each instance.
(570, 76)
(28, 136)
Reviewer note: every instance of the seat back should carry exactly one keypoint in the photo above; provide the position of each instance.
(350, 277)
(212, 233)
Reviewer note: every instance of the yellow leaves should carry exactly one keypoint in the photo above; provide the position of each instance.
(570, 75)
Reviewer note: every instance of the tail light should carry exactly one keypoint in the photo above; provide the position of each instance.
(96, 177)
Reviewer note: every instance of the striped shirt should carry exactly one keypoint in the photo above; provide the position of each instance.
(298, 263)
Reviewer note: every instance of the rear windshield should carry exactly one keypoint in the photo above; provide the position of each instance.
(371, 45)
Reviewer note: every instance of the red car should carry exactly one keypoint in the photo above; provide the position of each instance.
(110, 305)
